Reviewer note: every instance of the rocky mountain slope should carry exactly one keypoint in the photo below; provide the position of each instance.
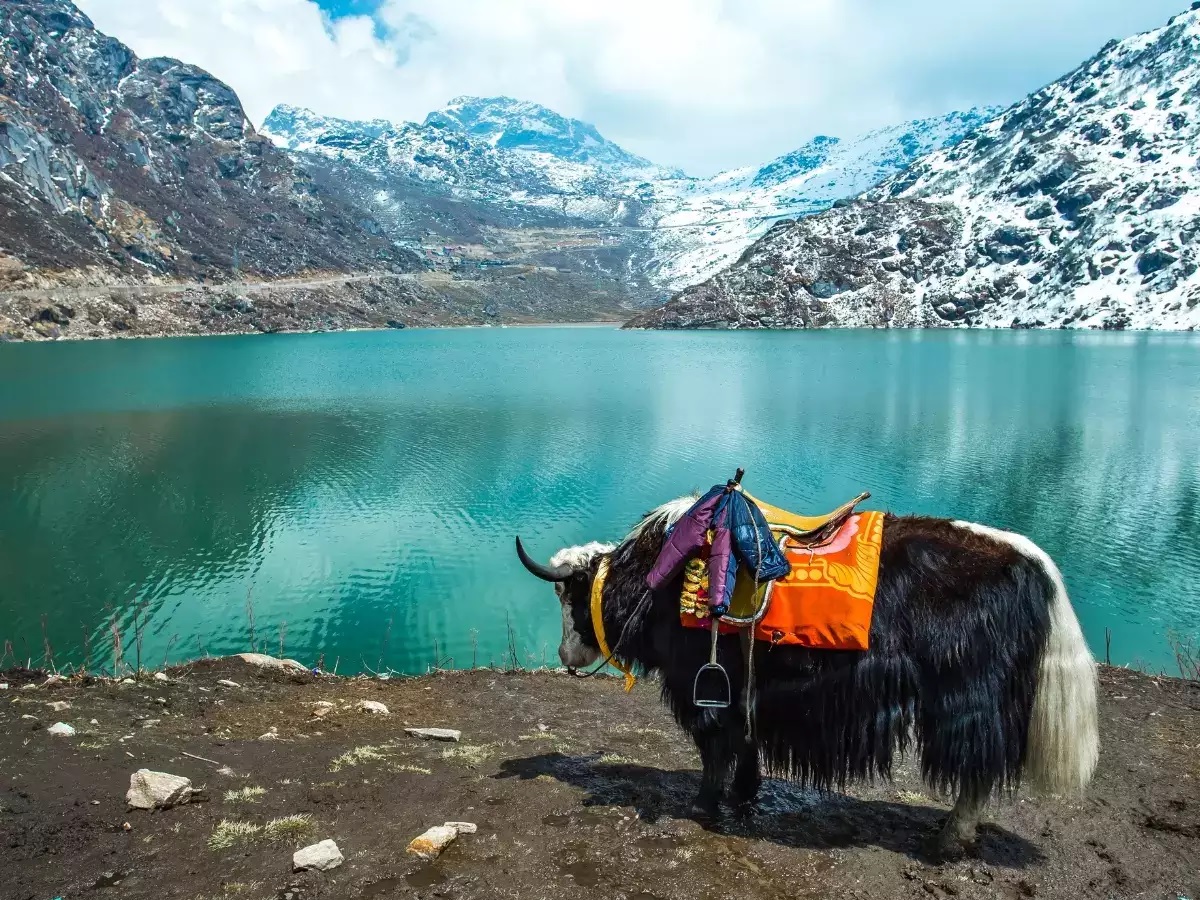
(128, 168)
(1078, 207)
(703, 225)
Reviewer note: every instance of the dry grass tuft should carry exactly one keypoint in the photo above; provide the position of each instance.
(245, 795)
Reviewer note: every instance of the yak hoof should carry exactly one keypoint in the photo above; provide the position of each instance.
(745, 811)
(706, 812)
(947, 845)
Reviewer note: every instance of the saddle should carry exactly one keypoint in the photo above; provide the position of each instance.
(806, 531)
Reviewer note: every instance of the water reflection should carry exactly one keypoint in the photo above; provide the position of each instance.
(359, 493)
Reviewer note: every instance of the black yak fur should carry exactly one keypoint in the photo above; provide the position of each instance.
(960, 624)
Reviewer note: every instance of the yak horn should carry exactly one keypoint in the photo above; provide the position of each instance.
(546, 573)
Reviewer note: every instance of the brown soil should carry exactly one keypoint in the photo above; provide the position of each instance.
(578, 791)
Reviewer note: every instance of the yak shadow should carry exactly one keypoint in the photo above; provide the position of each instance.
(787, 814)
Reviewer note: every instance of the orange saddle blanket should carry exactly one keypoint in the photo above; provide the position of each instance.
(825, 602)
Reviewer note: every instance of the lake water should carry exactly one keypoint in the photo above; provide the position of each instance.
(359, 492)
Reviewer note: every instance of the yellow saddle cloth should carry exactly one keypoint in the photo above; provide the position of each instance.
(825, 602)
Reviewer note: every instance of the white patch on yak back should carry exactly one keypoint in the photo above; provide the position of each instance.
(1064, 744)
(666, 515)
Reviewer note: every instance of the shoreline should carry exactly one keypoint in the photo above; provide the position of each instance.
(554, 773)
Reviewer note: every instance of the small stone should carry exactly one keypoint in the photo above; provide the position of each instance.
(160, 676)
(435, 734)
(95, 803)
(323, 704)
(463, 827)
(52, 679)
(29, 717)
(4, 686)
(61, 729)
(125, 826)
(321, 712)
(271, 735)
(162, 701)
(94, 722)
(150, 723)
(431, 844)
(322, 857)
(543, 726)
(29, 687)
(225, 682)
(373, 706)
(128, 681)
(157, 790)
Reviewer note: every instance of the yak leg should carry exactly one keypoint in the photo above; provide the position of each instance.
(957, 836)
(747, 780)
(716, 754)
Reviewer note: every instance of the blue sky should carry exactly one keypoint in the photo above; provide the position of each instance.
(338, 8)
(702, 84)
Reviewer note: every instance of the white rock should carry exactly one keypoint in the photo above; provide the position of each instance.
(29, 717)
(322, 857)
(29, 687)
(161, 676)
(53, 679)
(61, 729)
(59, 705)
(431, 844)
(271, 735)
(157, 790)
(128, 681)
(4, 686)
(463, 827)
(225, 682)
(373, 706)
(435, 734)
(323, 704)
(94, 722)
(271, 662)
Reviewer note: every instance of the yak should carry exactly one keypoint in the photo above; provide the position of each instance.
(976, 661)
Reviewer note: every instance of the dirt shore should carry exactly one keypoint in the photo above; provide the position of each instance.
(336, 302)
(578, 790)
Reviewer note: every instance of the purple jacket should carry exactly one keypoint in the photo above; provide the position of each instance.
(740, 534)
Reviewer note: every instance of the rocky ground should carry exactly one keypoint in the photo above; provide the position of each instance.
(333, 302)
(577, 790)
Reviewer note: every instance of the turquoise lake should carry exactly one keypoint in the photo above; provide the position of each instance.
(357, 494)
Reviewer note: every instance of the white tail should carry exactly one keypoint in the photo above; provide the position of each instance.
(1063, 744)
(1063, 741)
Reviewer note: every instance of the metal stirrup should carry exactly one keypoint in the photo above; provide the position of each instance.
(722, 692)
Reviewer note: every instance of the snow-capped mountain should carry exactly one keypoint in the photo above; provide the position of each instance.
(705, 224)
(668, 230)
(1077, 207)
(519, 125)
(147, 167)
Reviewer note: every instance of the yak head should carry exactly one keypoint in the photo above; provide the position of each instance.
(571, 571)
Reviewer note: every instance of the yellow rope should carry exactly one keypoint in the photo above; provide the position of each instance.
(598, 624)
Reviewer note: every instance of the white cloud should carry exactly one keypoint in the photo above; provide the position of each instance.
(700, 83)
